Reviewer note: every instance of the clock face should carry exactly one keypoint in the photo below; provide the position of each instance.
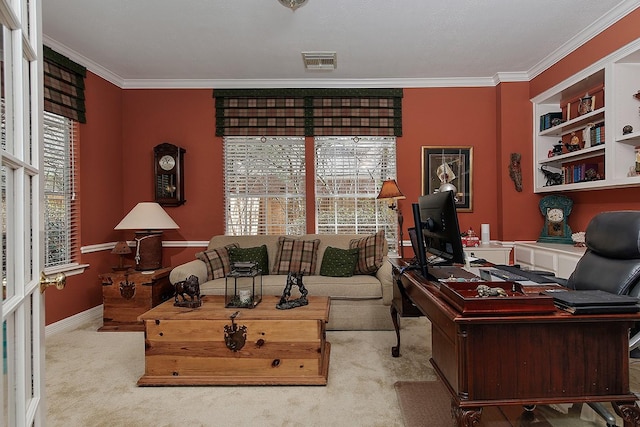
(167, 162)
(556, 210)
(555, 214)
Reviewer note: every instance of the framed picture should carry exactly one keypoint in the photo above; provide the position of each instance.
(449, 165)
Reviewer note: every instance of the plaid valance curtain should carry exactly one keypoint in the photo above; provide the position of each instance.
(308, 112)
(63, 86)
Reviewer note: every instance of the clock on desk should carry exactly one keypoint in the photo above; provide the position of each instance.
(555, 210)
(169, 174)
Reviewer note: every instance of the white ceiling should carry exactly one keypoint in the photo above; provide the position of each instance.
(379, 43)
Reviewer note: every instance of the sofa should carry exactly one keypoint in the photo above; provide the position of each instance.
(358, 302)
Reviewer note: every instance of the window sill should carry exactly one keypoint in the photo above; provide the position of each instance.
(67, 269)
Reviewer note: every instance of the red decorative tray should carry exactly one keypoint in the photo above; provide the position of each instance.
(463, 296)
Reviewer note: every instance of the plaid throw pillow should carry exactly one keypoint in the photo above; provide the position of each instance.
(371, 253)
(217, 261)
(296, 256)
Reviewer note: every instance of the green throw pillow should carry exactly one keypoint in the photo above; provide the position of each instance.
(258, 255)
(339, 262)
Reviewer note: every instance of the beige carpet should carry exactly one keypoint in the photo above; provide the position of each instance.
(91, 381)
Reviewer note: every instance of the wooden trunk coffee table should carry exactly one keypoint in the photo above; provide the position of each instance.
(185, 346)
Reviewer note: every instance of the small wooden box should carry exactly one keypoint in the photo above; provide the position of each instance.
(280, 347)
(128, 294)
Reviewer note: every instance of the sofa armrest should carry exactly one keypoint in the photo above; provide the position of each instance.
(385, 275)
(195, 267)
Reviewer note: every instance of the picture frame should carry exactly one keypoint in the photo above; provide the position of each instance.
(459, 164)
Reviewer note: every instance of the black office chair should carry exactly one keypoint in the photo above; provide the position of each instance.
(611, 263)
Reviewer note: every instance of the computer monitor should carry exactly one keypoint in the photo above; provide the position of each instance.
(436, 231)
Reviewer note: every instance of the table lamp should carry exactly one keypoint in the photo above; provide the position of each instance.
(149, 219)
(391, 192)
(121, 248)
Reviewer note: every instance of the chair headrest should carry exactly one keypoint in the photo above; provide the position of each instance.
(615, 234)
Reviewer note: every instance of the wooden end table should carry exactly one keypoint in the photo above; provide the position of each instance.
(258, 346)
(127, 294)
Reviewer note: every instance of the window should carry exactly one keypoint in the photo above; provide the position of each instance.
(349, 175)
(264, 185)
(59, 190)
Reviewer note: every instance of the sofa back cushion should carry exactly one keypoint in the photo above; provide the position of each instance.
(341, 241)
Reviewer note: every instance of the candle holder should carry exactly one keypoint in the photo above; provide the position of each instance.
(243, 286)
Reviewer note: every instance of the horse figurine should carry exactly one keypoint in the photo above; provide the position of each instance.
(190, 287)
(293, 279)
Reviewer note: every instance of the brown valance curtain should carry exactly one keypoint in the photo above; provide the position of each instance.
(63, 86)
(308, 112)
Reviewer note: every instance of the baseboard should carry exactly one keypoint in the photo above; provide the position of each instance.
(73, 322)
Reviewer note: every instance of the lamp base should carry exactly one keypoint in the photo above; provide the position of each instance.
(148, 250)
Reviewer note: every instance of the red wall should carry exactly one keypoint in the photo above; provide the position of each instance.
(123, 126)
(102, 180)
(450, 117)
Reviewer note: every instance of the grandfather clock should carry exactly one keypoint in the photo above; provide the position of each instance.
(169, 174)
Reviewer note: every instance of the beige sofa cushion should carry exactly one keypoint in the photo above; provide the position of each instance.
(336, 240)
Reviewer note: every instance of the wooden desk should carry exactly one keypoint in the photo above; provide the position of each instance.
(524, 359)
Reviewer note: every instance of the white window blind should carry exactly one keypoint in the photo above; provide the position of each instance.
(61, 225)
(264, 185)
(349, 175)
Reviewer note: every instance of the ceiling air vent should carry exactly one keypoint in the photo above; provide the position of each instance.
(319, 60)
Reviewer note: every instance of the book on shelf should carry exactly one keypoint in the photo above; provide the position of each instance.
(581, 172)
(547, 120)
(597, 134)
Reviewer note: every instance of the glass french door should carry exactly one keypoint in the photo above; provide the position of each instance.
(22, 308)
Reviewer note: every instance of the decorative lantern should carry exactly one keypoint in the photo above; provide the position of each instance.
(243, 286)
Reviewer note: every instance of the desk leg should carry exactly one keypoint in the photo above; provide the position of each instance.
(395, 351)
(466, 417)
(629, 412)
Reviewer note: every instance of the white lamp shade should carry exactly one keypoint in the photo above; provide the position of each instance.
(147, 216)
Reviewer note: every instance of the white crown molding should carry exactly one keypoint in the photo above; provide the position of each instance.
(510, 77)
(95, 68)
(607, 20)
(306, 83)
